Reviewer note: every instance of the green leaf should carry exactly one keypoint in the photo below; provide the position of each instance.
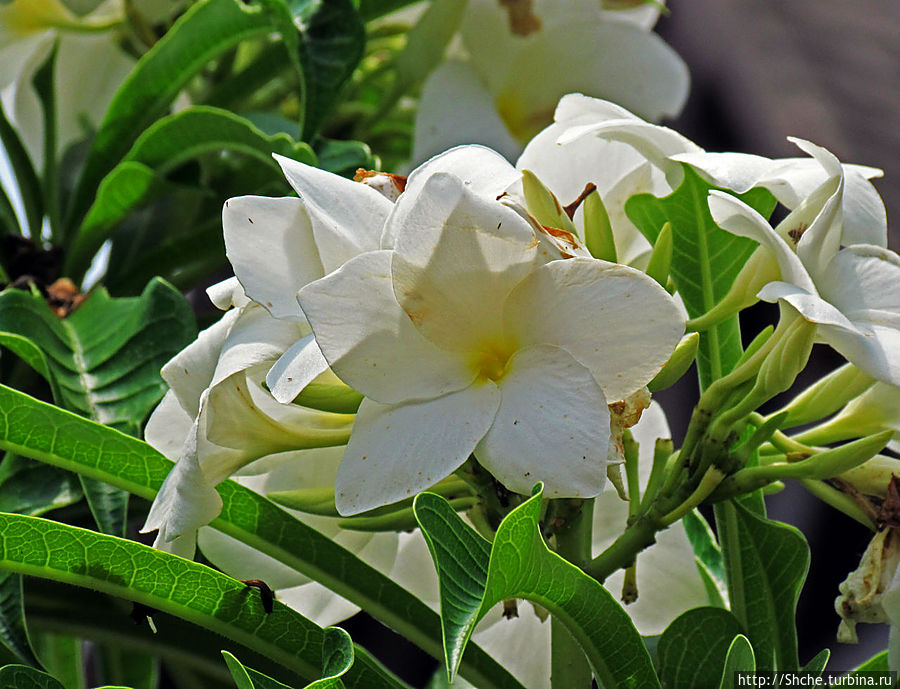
(167, 144)
(31, 354)
(106, 355)
(24, 677)
(104, 359)
(708, 556)
(173, 585)
(693, 648)
(740, 658)
(112, 623)
(126, 667)
(818, 663)
(332, 38)
(768, 562)
(475, 575)
(13, 633)
(27, 181)
(62, 656)
(32, 488)
(345, 157)
(42, 431)
(201, 34)
(877, 663)
(247, 678)
(705, 259)
(337, 659)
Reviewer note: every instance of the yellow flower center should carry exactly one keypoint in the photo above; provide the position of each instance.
(491, 362)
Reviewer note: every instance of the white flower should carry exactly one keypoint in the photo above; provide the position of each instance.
(481, 95)
(465, 339)
(218, 417)
(848, 290)
(89, 66)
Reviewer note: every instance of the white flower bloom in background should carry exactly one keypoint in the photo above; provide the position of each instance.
(90, 66)
(463, 338)
(669, 582)
(848, 290)
(481, 95)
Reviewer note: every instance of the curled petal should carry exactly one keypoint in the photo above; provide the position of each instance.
(297, 368)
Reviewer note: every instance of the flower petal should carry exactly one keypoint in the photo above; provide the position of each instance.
(346, 216)
(451, 90)
(552, 426)
(297, 368)
(811, 306)
(369, 340)
(191, 371)
(614, 320)
(397, 451)
(456, 258)
(861, 278)
(227, 293)
(270, 245)
(736, 217)
(168, 426)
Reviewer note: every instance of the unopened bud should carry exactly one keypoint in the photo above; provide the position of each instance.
(829, 394)
(544, 205)
(787, 358)
(598, 234)
(661, 257)
(678, 363)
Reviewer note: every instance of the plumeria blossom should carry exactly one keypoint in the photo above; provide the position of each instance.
(218, 416)
(90, 66)
(565, 46)
(848, 290)
(668, 580)
(465, 338)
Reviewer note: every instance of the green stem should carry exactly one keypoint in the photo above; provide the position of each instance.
(569, 668)
(621, 554)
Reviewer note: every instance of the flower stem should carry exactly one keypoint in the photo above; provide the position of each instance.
(569, 668)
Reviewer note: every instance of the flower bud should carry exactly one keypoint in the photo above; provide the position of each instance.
(678, 363)
(544, 205)
(598, 234)
(661, 257)
(827, 395)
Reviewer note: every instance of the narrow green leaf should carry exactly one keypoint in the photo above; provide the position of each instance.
(332, 38)
(337, 659)
(170, 584)
(248, 678)
(62, 656)
(769, 561)
(110, 622)
(201, 34)
(475, 575)
(877, 663)
(13, 633)
(168, 143)
(740, 658)
(126, 667)
(31, 354)
(42, 431)
(709, 556)
(818, 662)
(31, 488)
(705, 259)
(693, 648)
(24, 677)
(27, 181)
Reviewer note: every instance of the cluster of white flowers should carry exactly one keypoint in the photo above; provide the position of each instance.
(471, 328)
